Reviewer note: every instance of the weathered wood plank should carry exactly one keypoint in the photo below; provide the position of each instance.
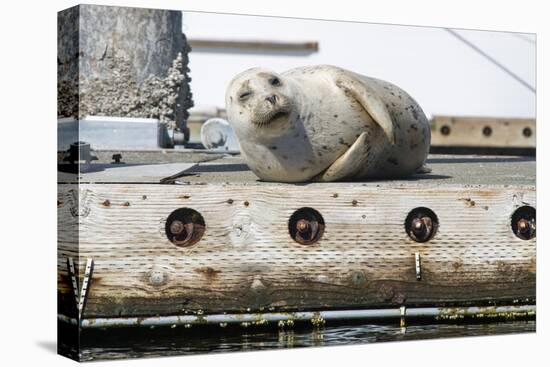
(247, 259)
(483, 132)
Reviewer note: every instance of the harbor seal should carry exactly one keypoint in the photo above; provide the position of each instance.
(324, 123)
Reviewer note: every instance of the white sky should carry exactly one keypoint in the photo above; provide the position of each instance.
(443, 74)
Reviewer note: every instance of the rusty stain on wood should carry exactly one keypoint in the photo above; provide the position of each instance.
(469, 202)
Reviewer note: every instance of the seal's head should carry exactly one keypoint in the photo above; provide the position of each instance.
(258, 102)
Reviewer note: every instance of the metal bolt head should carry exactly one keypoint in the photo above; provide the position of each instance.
(177, 227)
(421, 228)
(417, 224)
(421, 224)
(524, 223)
(185, 227)
(303, 225)
(306, 226)
(526, 228)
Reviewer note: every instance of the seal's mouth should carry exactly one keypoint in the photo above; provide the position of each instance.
(269, 118)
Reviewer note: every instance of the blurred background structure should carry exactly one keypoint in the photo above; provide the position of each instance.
(449, 72)
(477, 87)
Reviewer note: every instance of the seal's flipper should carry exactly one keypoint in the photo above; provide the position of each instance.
(372, 104)
(348, 164)
(423, 169)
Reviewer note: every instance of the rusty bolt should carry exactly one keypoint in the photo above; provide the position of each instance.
(421, 228)
(308, 229)
(185, 234)
(487, 131)
(527, 132)
(421, 224)
(526, 228)
(303, 225)
(417, 224)
(445, 130)
(523, 222)
(185, 227)
(306, 226)
(523, 225)
(176, 227)
(308, 232)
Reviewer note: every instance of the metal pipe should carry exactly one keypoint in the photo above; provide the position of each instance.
(341, 315)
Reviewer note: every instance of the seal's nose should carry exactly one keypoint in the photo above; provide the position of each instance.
(271, 99)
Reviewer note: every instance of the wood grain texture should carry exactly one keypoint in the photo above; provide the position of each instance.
(247, 260)
(469, 132)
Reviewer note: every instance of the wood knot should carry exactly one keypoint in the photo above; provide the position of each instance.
(157, 277)
(257, 285)
(358, 278)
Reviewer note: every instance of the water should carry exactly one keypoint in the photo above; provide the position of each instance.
(140, 343)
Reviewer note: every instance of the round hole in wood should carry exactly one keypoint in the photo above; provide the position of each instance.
(487, 131)
(527, 132)
(185, 227)
(421, 224)
(445, 130)
(524, 222)
(306, 226)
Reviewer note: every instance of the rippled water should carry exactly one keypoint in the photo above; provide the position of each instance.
(116, 344)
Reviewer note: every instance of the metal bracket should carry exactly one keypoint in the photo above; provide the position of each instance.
(80, 292)
(418, 265)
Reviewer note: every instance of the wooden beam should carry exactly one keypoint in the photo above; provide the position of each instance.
(483, 132)
(247, 262)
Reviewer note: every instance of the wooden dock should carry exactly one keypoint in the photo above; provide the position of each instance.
(237, 246)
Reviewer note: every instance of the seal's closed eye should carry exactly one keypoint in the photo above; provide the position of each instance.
(245, 95)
